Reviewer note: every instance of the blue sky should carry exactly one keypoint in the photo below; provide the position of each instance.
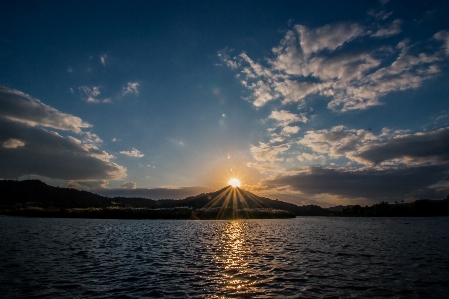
(323, 102)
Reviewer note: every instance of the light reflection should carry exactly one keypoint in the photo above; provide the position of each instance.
(233, 257)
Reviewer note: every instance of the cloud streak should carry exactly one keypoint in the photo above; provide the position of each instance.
(132, 153)
(368, 184)
(17, 106)
(29, 147)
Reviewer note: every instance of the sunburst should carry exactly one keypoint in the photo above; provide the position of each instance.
(234, 182)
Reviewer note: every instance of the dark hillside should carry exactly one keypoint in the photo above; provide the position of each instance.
(37, 192)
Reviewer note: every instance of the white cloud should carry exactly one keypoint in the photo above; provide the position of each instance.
(91, 94)
(330, 61)
(327, 37)
(133, 153)
(225, 57)
(103, 58)
(267, 152)
(20, 107)
(444, 37)
(262, 93)
(293, 91)
(284, 117)
(91, 140)
(390, 30)
(286, 131)
(336, 142)
(388, 149)
(131, 88)
(13, 143)
(309, 157)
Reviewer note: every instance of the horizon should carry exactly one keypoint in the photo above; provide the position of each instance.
(339, 106)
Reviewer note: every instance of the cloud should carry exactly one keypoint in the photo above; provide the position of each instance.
(91, 140)
(225, 57)
(309, 157)
(336, 142)
(131, 88)
(87, 184)
(262, 93)
(155, 193)
(128, 185)
(51, 155)
(266, 152)
(381, 15)
(284, 117)
(418, 148)
(13, 143)
(91, 94)
(390, 30)
(286, 131)
(389, 149)
(133, 153)
(444, 37)
(19, 107)
(31, 148)
(293, 91)
(328, 37)
(371, 184)
(103, 58)
(337, 62)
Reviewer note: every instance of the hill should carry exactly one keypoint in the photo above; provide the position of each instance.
(32, 192)
(17, 197)
(35, 198)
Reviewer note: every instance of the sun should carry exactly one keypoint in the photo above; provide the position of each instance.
(234, 182)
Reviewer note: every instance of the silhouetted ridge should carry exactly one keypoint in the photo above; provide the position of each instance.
(35, 191)
(226, 203)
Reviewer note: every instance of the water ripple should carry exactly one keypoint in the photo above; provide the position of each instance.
(308, 257)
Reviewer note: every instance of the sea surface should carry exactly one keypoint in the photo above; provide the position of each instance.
(305, 257)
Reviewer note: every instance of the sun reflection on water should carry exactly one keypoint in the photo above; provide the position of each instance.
(233, 257)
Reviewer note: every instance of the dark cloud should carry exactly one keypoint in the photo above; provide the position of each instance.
(155, 193)
(29, 148)
(426, 147)
(128, 185)
(369, 184)
(86, 184)
(51, 155)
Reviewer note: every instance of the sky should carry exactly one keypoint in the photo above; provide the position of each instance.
(310, 102)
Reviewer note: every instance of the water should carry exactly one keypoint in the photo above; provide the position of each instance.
(307, 257)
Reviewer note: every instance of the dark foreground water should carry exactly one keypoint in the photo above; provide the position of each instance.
(308, 257)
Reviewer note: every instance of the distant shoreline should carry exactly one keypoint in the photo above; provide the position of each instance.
(33, 198)
(149, 214)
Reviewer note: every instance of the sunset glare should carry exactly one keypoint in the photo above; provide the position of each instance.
(234, 182)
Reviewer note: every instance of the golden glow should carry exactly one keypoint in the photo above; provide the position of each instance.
(234, 182)
(234, 255)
